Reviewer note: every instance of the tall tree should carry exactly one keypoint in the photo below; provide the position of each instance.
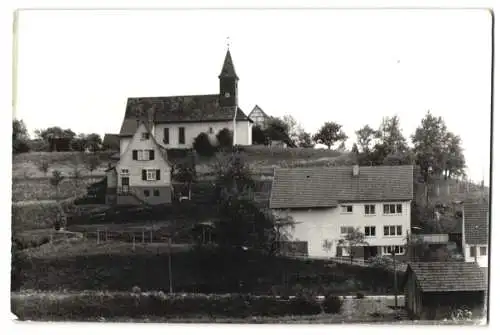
(391, 135)
(294, 128)
(429, 142)
(93, 142)
(20, 137)
(453, 156)
(365, 138)
(329, 134)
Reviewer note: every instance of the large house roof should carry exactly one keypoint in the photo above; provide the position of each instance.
(475, 216)
(448, 276)
(327, 186)
(177, 109)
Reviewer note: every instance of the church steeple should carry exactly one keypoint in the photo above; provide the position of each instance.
(228, 83)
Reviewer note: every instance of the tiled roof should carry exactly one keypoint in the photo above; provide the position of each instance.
(327, 186)
(228, 67)
(476, 222)
(189, 108)
(448, 276)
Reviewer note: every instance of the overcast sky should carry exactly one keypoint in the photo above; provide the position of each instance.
(77, 68)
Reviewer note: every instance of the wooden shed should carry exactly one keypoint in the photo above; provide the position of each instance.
(434, 289)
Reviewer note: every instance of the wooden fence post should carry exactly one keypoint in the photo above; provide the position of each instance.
(97, 236)
(143, 236)
(133, 241)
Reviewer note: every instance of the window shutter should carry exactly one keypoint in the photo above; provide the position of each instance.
(166, 136)
(158, 177)
(144, 177)
(151, 155)
(134, 155)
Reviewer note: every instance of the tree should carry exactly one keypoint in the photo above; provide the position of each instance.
(20, 137)
(276, 130)
(43, 166)
(305, 140)
(365, 138)
(225, 138)
(203, 146)
(294, 128)
(93, 142)
(185, 173)
(55, 180)
(453, 156)
(391, 134)
(429, 144)
(233, 176)
(77, 174)
(92, 163)
(258, 136)
(329, 134)
(56, 137)
(352, 240)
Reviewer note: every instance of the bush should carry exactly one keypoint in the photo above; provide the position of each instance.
(203, 146)
(360, 295)
(332, 304)
(225, 138)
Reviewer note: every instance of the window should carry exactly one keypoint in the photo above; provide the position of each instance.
(393, 209)
(124, 171)
(156, 193)
(472, 251)
(227, 94)
(398, 250)
(166, 136)
(151, 174)
(182, 135)
(146, 193)
(347, 209)
(370, 231)
(143, 155)
(210, 130)
(346, 230)
(393, 230)
(369, 209)
(145, 136)
(482, 251)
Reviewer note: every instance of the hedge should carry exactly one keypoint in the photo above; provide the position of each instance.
(85, 306)
(41, 189)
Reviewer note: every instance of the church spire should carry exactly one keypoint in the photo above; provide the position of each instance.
(228, 67)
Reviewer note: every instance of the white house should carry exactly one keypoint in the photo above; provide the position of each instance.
(328, 202)
(142, 175)
(475, 232)
(178, 120)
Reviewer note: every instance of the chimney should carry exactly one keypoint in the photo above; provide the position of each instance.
(151, 118)
(355, 170)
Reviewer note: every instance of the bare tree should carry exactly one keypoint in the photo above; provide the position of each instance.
(92, 163)
(43, 166)
(55, 180)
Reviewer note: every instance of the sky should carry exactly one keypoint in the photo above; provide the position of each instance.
(76, 69)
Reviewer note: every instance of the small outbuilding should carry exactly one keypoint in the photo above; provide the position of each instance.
(434, 289)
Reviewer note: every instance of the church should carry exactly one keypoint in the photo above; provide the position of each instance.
(175, 121)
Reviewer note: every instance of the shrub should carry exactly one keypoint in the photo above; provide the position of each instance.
(360, 295)
(35, 215)
(332, 304)
(203, 146)
(225, 138)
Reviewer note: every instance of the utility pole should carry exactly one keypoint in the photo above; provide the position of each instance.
(393, 251)
(170, 265)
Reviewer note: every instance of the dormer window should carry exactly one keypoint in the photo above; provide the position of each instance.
(145, 136)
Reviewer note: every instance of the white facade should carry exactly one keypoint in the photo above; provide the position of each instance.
(131, 168)
(192, 130)
(476, 253)
(317, 225)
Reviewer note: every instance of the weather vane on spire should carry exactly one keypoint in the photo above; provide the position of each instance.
(228, 42)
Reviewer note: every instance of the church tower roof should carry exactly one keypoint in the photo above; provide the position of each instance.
(228, 67)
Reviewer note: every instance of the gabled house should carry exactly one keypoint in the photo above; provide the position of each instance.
(259, 117)
(178, 120)
(143, 174)
(328, 202)
(475, 218)
(433, 289)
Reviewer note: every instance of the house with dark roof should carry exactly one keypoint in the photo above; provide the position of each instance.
(475, 218)
(142, 175)
(327, 203)
(177, 120)
(434, 289)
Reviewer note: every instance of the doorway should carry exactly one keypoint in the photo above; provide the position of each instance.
(370, 252)
(125, 184)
